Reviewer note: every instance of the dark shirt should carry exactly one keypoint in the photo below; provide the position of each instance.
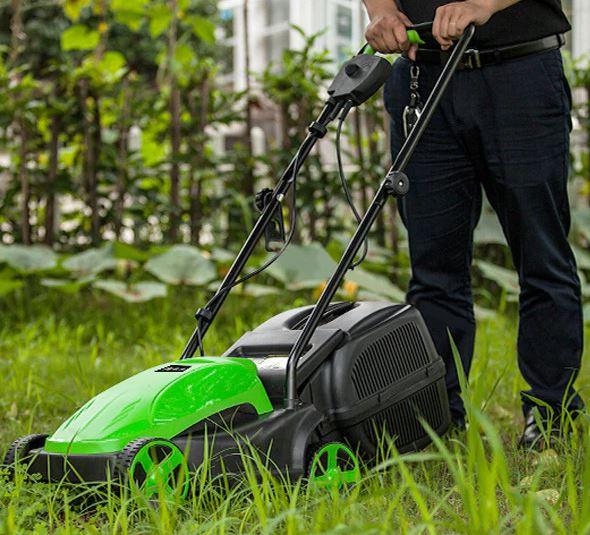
(525, 21)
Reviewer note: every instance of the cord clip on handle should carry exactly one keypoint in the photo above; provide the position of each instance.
(413, 37)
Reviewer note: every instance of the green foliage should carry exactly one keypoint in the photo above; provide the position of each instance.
(8, 285)
(87, 120)
(133, 293)
(79, 37)
(300, 268)
(182, 264)
(303, 266)
(28, 259)
(73, 8)
(91, 262)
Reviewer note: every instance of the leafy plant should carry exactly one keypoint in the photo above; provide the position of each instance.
(132, 293)
(182, 264)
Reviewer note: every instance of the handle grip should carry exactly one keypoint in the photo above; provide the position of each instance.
(413, 36)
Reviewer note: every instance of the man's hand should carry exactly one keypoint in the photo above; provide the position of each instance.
(387, 31)
(452, 19)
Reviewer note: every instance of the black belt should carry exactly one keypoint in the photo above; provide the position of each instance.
(476, 59)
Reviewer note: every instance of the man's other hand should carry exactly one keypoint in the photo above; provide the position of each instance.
(452, 19)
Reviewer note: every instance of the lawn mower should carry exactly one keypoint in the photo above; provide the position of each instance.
(313, 390)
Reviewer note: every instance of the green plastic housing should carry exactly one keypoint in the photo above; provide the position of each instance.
(162, 404)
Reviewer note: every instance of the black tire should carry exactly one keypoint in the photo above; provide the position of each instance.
(19, 451)
(124, 465)
(126, 456)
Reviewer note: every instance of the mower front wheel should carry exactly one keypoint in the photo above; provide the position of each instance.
(155, 467)
(20, 451)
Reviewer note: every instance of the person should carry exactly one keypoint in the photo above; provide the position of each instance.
(503, 127)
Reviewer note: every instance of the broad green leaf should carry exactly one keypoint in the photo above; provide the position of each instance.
(160, 16)
(303, 266)
(125, 251)
(223, 256)
(378, 285)
(131, 13)
(91, 262)
(133, 293)
(137, 6)
(256, 290)
(153, 151)
(505, 278)
(184, 57)
(581, 221)
(130, 19)
(9, 285)
(203, 28)
(112, 66)
(582, 257)
(488, 230)
(79, 37)
(182, 264)
(28, 259)
(482, 313)
(72, 8)
(64, 285)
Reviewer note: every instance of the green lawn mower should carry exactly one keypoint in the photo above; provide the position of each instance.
(312, 390)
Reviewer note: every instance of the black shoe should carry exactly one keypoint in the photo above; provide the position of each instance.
(458, 423)
(544, 429)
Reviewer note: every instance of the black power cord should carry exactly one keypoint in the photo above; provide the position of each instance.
(293, 225)
(344, 182)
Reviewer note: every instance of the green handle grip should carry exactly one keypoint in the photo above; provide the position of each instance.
(413, 37)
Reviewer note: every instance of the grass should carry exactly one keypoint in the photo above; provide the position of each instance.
(56, 351)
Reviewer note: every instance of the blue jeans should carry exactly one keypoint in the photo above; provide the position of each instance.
(503, 129)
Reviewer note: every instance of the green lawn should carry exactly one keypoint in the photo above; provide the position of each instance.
(56, 351)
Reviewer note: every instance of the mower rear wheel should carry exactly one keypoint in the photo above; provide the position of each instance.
(156, 467)
(20, 450)
(334, 465)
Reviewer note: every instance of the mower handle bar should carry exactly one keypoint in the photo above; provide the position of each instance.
(379, 201)
(318, 130)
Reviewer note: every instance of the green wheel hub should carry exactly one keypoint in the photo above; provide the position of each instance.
(157, 467)
(334, 465)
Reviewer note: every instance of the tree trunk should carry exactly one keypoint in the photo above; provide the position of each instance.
(248, 182)
(90, 123)
(97, 145)
(588, 133)
(17, 34)
(122, 149)
(200, 120)
(17, 39)
(52, 179)
(102, 25)
(175, 127)
(175, 139)
(25, 187)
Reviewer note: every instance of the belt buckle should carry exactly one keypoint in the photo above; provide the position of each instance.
(471, 59)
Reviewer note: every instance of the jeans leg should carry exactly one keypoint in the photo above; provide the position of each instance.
(525, 127)
(440, 213)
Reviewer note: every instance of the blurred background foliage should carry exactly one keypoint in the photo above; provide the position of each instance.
(110, 179)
